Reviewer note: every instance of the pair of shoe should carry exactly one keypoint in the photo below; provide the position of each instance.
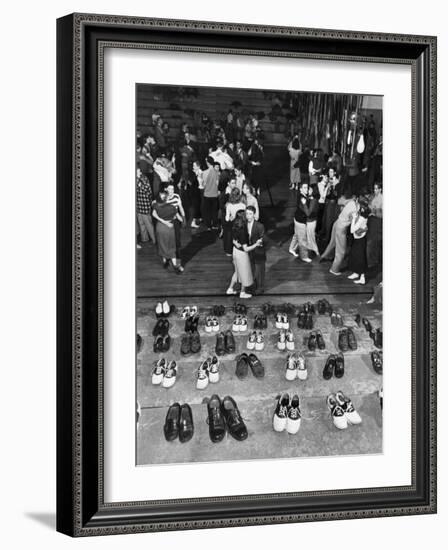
(377, 336)
(217, 311)
(211, 324)
(179, 423)
(255, 341)
(139, 343)
(244, 362)
(336, 319)
(164, 373)
(324, 307)
(267, 308)
(285, 340)
(347, 339)
(239, 324)
(161, 327)
(225, 416)
(191, 323)
(334, 364)
(240, 309)
(342, 410)
(260, 322)
(225, 343)
(163, 309)
(296, 367)
(189, 311)
(377, 361)
(305, 320)
(208, 372)
(357, 278)
(315, 339)
(281, 321)
(287, 415)
(190, 343)
(162, 343)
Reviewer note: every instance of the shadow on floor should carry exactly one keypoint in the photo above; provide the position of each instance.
(47, 519)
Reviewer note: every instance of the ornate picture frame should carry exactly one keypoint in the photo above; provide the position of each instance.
(81, 507)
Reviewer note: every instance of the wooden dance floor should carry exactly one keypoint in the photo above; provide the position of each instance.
(208, 270)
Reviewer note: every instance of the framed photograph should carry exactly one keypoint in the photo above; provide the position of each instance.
(246, 275)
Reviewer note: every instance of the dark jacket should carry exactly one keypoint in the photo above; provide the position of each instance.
(257, 255)
(306, 211)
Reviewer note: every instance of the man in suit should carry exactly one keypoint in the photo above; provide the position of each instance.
(256, 249)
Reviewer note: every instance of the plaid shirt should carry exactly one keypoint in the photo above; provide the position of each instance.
(144, 195)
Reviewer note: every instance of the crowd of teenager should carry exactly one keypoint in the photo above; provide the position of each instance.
(210, 177)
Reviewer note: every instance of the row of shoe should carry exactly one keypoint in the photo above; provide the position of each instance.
(208, 372)
(347, 340)
(377, 361)
(282, 321)
(244, 362)
(164, 373)
(225, 343)
(342, 410)
(239, 323)
(163, 309)
(315, 339)
(211, 324)
(285, 340)
(260, 321)
(255, 341)
(305, 320)
(225, 416)
(179, 423)
(296, 367)
(336, 319)
(335, 364)
(190, 343)
(287, 415)
(189, 311)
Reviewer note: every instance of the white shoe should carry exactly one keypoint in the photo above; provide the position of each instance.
(185, 312)
(346, 405)
(259, 344)
(166, 308)
(215, 324)
(244, 295)
(279, 321)
(285, 322)
(306, 260)
(169, 378)
(281, 413)
(194, 225)
(338, 415)
(243, 324)
(208, 325)
(158, 372)
(231, 291)
(281, 344)
(353, 276)
(236, 324)
(294, 253)
(202, 377)
(302, 371)
(361, 281)
(291, 368)
(289, 340)
(139, 246)
(294, 416)
(337, 273)
(213, 370)
(252, 341)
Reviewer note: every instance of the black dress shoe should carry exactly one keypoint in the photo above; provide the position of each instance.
(309, 322)
(216, 422)
(166, 342)
(186, 426)
(312, 341)
(301, 319)
(320, 340)
(195, 342)
(327, 373)
(185, 344)
(229, 342)
(188, 326)
(320, 307)
(377, 362)
(232, 415)
(367, 324)
(242, 366)
(378, 340)
(158, 344)
(220, 347)
(257, 324)
(161, 327)
(264, 322)
(171, 426)
(339, 366)
(194, 323)
(255, 366)
(352, 343)
(343, 340)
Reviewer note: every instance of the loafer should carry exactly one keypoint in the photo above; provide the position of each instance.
(216, 422)
(229, 342)
(220, 347)
(339, 366)
(352, 343)
(320, 340)
(186, 426)
(343, 340)
(280, 417)
(336, 412)
(312, 341)
(242, 366)
(327, 373)
(235, 424)
(185, 344)
(195, 342)
(158, 344)
(166, 343)
(171, 426)
(255, 366)
(377, 362)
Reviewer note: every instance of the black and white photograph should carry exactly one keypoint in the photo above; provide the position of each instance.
(259, 242)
